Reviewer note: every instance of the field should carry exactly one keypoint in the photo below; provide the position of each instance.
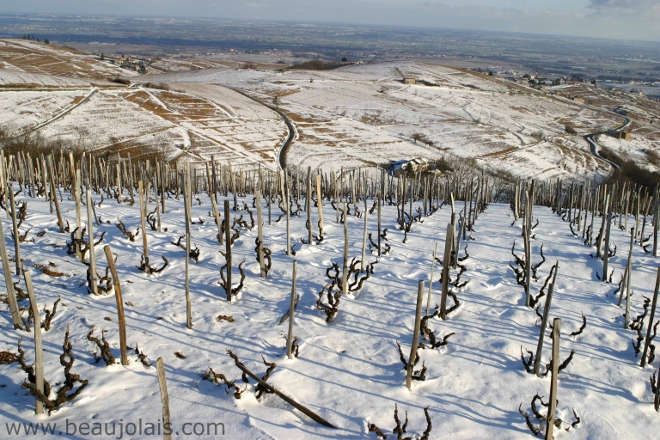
(347, 371)
(358, 313)
(28, 62)
(364, 114)
(195, 122)
(353, 116)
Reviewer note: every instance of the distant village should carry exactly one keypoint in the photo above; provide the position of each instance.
(135, 64)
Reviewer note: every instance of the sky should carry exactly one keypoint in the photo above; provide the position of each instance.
(619, 19)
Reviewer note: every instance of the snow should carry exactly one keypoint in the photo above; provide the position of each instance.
(108, 117)
(362, 114)
(28, 108)
(348, 371)
(15, 77)
(353, 116)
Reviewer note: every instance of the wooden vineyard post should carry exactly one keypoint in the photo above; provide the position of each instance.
(77, 196)
(270, 201)
(44, 178)
(187, 202)
(292, 306)
(17, 245)
(449, 240)
(308, 205)
(415, 341)
(656, 222)
(164, 398)
(91, 274)
(601, 235)
(158, 188)
(626, 284)
(53, 192)
(260, 236)
(544, 322)
(550, 419)
(515, 202)
(228, 250)
(287, 196)
(638, 200)
(428, 297)
(120, 304)
(162, 189)
(651, 318)
(216, 215)
(364, 236)
(309, 413)
(145, 245)
(625, 281)
(452, 225)
(379, 221)
(38, 350)
(319, 203)
(411, 196)
(3, 173)
(593, 204)
(333, 182)
(646, 211)
(11, 293)
(528, 246)
(344, 273)
(606, 253)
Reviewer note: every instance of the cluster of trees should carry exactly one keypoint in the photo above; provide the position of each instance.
(33, 37)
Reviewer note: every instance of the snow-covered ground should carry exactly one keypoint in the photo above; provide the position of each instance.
(353, 116)
(347, 371)
(25, 61)
(204, 121)
(365, 114)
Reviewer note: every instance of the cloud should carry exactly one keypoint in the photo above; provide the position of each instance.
(631, 5)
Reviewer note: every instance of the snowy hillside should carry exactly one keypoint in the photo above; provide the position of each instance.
(347, 371)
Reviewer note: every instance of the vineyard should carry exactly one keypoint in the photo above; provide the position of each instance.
(312, 304)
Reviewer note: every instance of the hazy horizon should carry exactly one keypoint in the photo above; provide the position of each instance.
(611, 19)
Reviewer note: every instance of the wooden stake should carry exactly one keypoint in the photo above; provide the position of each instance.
(308, 206)
(319, 203)
(120, 304)
(91, 278)
(77, 197)
(309, 413)
(145, 245)
(187, 205)
(606, 253)
(53, 192)
(17, 246)
(415, 341)
(344, 273)
(650, 325)
(288, 215)
(550, 419)
(38, 350)
(528, 247)
(164, 398)
(289, 341)
(544, 322)
(260, 237)
(11, 293)
(449, 240)
(364, 237)
(379, 221)
(228, 250)
(216, 215)
(428, 297)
